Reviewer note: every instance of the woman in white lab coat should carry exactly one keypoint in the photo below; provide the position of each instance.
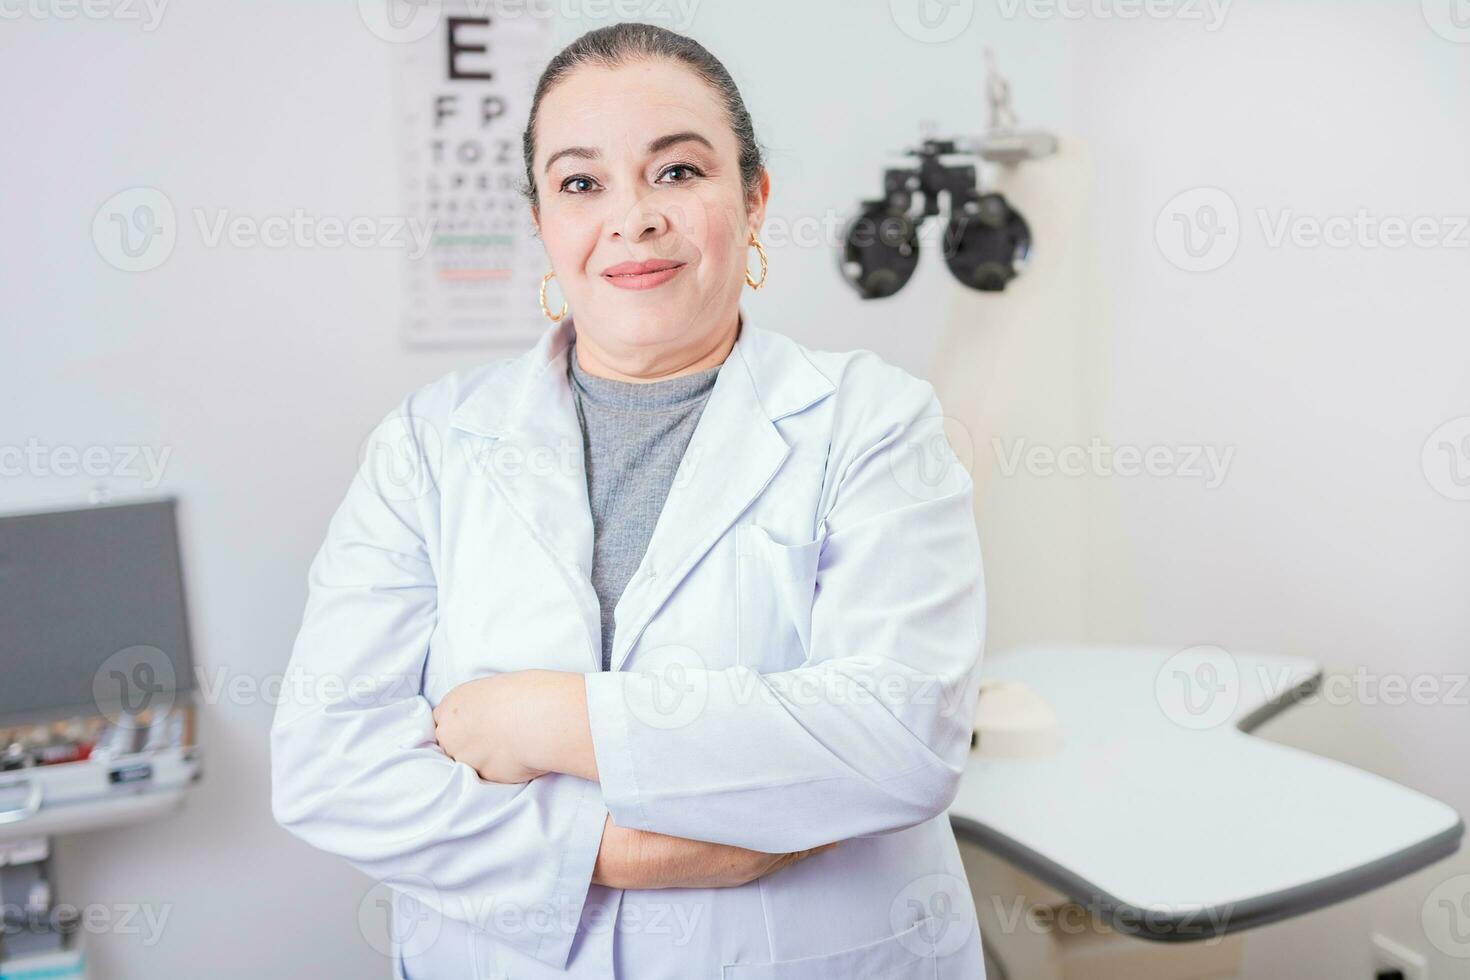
(757, 786)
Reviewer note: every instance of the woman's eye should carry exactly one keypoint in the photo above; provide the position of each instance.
(568, 188)
(695, 171)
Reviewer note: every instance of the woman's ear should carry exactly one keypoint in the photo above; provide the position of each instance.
(756, 205)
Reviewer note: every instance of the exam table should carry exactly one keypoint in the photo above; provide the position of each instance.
(1159, 813)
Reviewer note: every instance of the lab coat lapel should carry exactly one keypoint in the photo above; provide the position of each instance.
(532, 453)
(734, 452)
(536, 462)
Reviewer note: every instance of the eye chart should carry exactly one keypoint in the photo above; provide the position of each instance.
(467, 72)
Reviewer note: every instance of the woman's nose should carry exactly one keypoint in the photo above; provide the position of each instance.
(640, 221)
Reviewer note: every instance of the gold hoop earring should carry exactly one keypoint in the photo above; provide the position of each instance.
(545, 281)
(765, 266)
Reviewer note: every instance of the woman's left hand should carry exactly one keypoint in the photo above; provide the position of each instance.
(511, 728)
(477, 723)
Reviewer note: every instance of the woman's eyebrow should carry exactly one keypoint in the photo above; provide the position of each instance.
(662, 143)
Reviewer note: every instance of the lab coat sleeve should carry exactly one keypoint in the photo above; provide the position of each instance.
(355, 767)
(871, 733)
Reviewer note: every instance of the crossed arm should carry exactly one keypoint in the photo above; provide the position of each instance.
(867, 736)
(512, 728)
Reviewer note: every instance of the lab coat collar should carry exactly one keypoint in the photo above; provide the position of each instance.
(735, 451)
(784, 380)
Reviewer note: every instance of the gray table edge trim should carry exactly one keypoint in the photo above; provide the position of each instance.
(1275, 706)
(1212, 922)
(1218, 921)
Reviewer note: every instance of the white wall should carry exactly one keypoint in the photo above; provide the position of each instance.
(1325, 369)
(260, 370)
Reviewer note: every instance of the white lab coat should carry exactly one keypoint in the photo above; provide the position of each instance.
(796, 662)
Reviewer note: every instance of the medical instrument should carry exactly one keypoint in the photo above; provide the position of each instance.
(97, 717)
(986, 242)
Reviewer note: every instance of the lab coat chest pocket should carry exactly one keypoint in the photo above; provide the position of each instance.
(775, 584)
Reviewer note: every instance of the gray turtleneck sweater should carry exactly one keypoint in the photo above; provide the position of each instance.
(633, 435)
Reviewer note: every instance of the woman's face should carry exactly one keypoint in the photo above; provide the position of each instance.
(638, 164)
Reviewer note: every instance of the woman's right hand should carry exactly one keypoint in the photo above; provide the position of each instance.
(643, 859)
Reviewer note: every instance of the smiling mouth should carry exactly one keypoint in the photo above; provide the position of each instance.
(649, 272)
(642, 281)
